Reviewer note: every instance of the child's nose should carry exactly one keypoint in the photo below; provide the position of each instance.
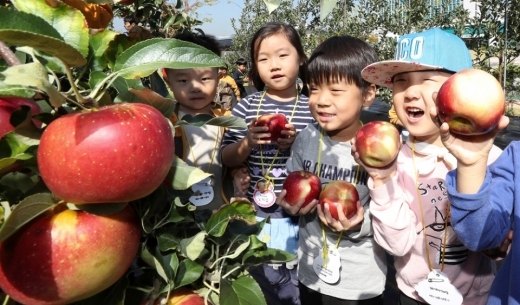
(412, 92)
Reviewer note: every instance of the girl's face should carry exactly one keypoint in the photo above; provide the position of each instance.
(278, 64)
(337, 106)
(412, 98)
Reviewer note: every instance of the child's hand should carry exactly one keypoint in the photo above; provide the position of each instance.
(255, 135)
(242, 181)
(289, 136)
(468, 150)
(380, 175)
(297, 208)
(502, 249)
(342, 224)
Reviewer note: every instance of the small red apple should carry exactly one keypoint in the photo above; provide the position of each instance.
(182, 296)
(10, 104)
(377, 143)
(117, 153)
(471, 102)
(66, 256)
(302, 185)
(275, 122)
(340, 194)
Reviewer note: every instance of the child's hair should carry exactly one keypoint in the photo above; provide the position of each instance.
(207, 41)
(340, 58)
(268, 30)
(241, 61)
(130, 19)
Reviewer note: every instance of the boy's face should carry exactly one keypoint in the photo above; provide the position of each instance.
(129, 26)
(336, 106)
(241, 67)
(194, 89)
(412, 98)
(222, 72)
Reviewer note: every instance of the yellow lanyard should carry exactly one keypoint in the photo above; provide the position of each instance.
(443, 254)
(213, 153)
(325, 246)
(266, 173)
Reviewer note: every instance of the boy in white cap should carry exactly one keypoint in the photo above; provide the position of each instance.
(410, 207)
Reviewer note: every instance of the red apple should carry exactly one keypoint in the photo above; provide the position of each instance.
(377, 143)
(276, 123)
(301, 185)
(10, 104)
(68, 256)
(182, 296)
(340, 194)
(117, 153)
(471, 102)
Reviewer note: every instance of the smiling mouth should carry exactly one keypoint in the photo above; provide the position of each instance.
(277, 76)
(414, 113)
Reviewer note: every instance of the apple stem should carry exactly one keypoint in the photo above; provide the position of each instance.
(230, 272)
(78, 95)
(109, 79)
(6, 300)
(7, 209)
(8, 55)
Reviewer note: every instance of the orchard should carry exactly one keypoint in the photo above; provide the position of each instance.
(94, 204)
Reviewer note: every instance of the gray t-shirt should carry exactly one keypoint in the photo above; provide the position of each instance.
(363, 262)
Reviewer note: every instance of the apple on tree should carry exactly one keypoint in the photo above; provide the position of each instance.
(471, 102)
(67, 255)
(10, 104)
(301, 185)
(117, 153)
(181, 296)
(340, 194)
(276, 123)
(377, 143)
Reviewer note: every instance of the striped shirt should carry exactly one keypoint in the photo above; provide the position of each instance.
(248, 109)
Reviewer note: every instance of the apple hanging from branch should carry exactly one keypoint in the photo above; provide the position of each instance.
(471, 102)
(116, 153)
(68, 255)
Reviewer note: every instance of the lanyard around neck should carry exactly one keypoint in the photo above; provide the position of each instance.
(443, 253)
(266, 173)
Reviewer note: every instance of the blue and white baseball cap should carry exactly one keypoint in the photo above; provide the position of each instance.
(433, 49)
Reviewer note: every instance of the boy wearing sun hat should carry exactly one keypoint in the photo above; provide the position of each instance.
(409, 206)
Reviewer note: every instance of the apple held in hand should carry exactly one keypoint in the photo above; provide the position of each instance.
(301, 185)
(340, 195)
(377, 143)
(276, 123)
(10, 104)
(68, 256)
(471, 102)
(117, 153)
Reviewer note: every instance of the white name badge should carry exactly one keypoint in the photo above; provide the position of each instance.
(264, 195)
(204, 193)
(437, 289)
(330, 273)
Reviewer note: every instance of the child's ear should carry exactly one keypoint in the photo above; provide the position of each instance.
(369, 95)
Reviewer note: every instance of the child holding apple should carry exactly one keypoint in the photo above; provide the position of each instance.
(409, 200)
(278, 59)
(194, 91)
(356, 268)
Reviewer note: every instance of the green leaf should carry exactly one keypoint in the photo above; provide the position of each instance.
(95, 78)
(168, 240)
(192, 247)
(326, 6)
(124, 85)
(152, 261)
(206, 119)
(69, 22)
(19, 181)
(11, 146)
(28, 209)
(154, 99)
(238, 210)
(47, 60)
(243, 291)
(272, 5)
(16, 90)
(145, 57)
(269, 255)
(188, 272)
(184, 176)
(28, 30)
(99, 44)
(32, 75)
